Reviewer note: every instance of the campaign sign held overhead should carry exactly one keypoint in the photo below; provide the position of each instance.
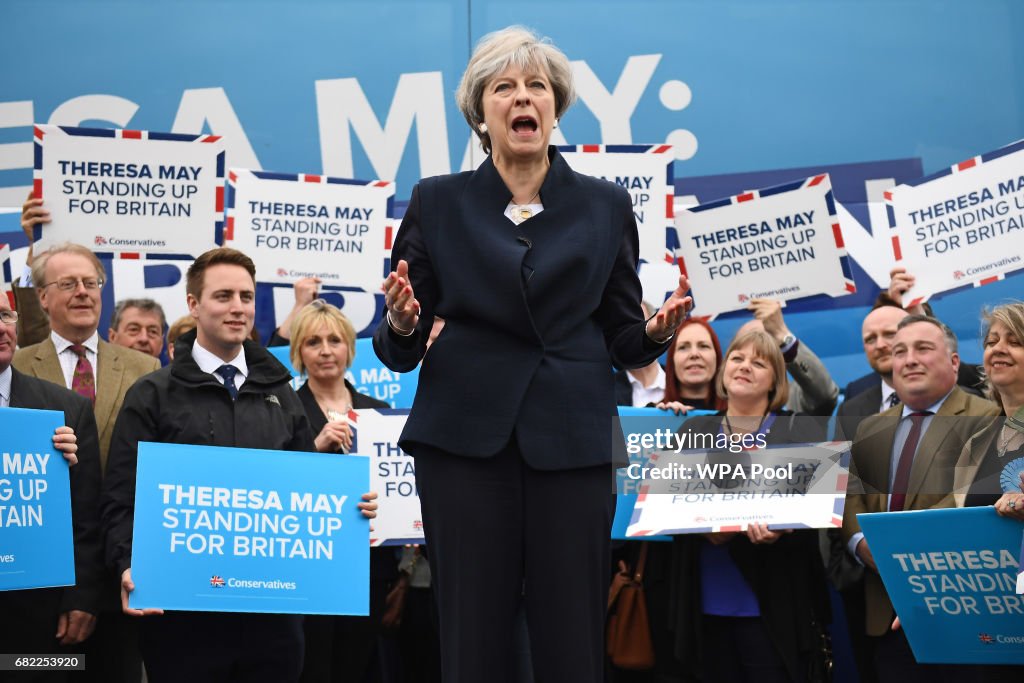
(952, 577)
(245, 530)
(295, 225)
(129, 192)
(962, 225)
(781, 242)
(36, 538)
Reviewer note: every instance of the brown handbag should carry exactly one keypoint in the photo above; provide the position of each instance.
(629, 631)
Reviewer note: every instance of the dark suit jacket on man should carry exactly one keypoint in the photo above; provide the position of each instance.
(118, 368)
(535, 316)
(41, 607)
(931, 476)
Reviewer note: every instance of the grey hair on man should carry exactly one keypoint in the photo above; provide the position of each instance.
(144, 305)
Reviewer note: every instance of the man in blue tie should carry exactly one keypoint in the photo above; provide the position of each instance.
(222, 389)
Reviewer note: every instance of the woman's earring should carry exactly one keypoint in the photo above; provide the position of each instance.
(556, 124)
(482, 128)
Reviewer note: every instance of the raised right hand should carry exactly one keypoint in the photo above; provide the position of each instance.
(400, 299)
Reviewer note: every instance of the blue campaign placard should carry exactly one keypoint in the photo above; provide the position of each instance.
(952, 575)
(37, 547)
(368, 375)
(245, 530)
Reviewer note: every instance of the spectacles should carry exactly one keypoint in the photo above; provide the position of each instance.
(68, 284)
(8, 317)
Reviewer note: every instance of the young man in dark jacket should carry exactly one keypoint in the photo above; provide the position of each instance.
(221, 390)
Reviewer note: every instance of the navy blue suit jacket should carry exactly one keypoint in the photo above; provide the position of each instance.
(535, 316)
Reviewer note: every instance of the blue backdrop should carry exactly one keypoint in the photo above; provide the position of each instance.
(365, 89)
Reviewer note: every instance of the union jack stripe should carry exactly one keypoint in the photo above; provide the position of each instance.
(674, 252)
(40, 131)
(235, 173)
(965, 166)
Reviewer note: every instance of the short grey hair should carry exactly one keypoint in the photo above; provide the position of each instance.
(947, 332)
(144, 305)
(40, 261)
(496, 52)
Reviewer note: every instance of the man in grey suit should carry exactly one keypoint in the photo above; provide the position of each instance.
(68, 279)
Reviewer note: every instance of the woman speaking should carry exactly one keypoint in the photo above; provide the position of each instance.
(533, 268)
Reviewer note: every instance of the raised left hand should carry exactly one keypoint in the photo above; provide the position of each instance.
(65, 441)
(672, 313)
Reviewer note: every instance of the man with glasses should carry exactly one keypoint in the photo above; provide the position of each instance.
(68, 278)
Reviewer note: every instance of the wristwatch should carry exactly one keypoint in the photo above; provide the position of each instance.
(787, 341)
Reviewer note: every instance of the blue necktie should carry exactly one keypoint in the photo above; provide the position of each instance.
(228, 372)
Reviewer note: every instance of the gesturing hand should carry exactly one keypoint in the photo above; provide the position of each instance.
(400, 300)
(663, 325)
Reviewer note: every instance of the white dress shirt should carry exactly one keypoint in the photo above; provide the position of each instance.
(643, 395)
(5, 387)
(208, 362)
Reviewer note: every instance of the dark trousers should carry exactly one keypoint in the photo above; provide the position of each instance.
(112, 652)
(739, 650)
(418, 639)
(28, 622)
(895, 663)
(344, 648)
(220, 647)
(493, 525)
(855, 610)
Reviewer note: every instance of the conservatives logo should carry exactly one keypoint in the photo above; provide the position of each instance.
(281, 272)
(100, 241)
(959, 275)
(276, 584)
(986, 638)
(743, 298)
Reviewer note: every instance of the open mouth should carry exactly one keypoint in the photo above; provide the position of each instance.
(524, 124)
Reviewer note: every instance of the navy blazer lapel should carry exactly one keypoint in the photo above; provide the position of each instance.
(23, 395)
(484, 201)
